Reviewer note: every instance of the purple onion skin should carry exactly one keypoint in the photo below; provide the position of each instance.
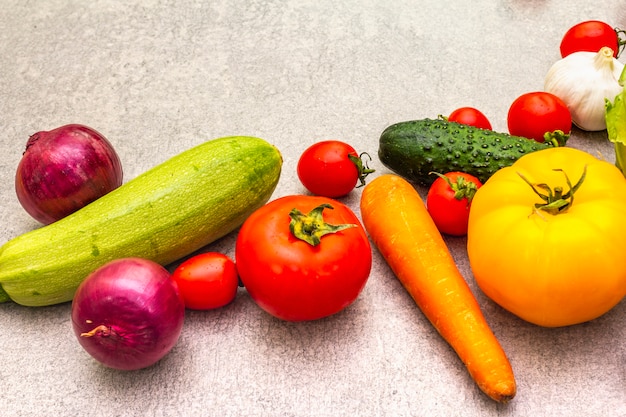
(128, 313)
(63, 170)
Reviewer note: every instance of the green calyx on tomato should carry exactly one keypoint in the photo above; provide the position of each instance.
(311, 227)
(557, 138)
(362, 167)
(462, 188)
(621, 42)
(555, 201)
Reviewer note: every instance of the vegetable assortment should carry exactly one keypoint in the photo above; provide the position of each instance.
(545, 224)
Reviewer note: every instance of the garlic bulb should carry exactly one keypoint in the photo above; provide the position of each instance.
(583, 80)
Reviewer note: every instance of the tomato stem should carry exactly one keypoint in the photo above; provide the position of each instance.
(555, 201)
(311, 227)
(362, 167)
(462, 188)
(557, 138)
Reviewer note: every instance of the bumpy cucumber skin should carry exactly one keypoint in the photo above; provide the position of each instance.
(164, 214)
(414, 149)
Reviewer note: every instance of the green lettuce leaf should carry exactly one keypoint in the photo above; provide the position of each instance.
(615, 115)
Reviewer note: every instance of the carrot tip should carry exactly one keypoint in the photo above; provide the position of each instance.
(503, 394)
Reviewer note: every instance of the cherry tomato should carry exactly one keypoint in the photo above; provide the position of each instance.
(533, 115)
(470, 116)
(303, 257)
(331, 169)
(449, 199)
(207, 281)
(591, 36)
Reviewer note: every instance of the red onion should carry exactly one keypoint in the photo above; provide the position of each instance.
(128, 313)
(63, 170)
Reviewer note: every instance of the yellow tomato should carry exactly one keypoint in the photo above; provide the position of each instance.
(551, 268)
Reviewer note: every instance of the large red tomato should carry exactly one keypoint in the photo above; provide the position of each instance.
(295, 279)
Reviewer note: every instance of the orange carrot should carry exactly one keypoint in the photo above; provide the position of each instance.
(398, 223)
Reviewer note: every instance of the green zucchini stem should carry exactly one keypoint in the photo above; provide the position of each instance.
(4, 297)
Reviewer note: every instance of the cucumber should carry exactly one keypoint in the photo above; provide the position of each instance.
(414, 149)
(164, 214)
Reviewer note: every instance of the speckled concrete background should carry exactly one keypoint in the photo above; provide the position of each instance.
(157, 77)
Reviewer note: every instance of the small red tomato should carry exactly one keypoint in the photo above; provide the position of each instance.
(207, 281)
(449, 199)
(331, 168)
(470, 116)
(591, 36)
(303, 257)
(539, 115)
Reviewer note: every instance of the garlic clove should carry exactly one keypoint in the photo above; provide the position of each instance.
(583, 80)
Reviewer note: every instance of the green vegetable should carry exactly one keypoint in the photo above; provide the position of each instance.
(415, 149)
(615, 115)
(164, 214)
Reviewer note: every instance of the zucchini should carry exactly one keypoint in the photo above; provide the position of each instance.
(415, 149)
(164, 214)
